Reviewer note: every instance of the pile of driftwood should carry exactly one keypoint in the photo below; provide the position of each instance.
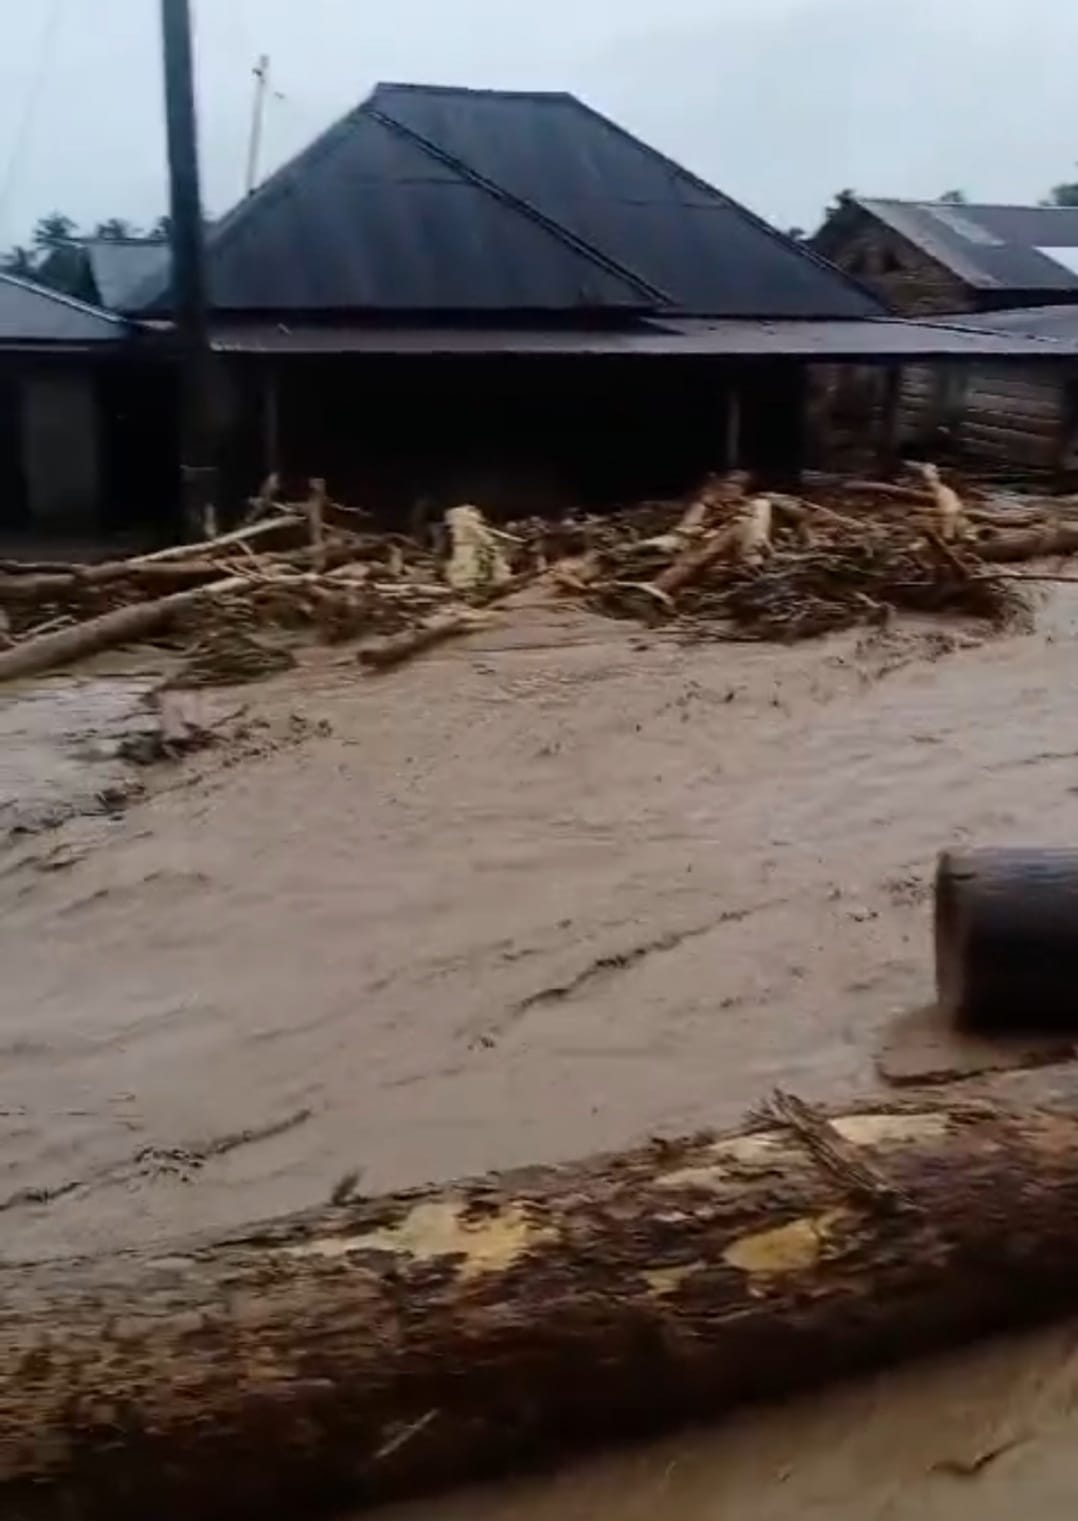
(308, 566)
(727, 563)
(849, 552)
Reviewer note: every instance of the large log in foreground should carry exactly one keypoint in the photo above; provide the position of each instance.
(387, 1346)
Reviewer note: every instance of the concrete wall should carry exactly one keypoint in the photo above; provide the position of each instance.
(61, 440)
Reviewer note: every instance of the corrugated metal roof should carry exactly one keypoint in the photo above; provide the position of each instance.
(367, 220)
(1057, 325)
(711, 255)
(426, 200)
(120, 266)
(32, 315)
(989, 247)
(883, 340)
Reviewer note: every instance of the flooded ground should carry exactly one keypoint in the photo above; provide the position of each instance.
(553, 889)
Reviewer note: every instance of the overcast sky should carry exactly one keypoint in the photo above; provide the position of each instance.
(779, 102)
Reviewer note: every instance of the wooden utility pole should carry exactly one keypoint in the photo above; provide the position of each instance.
(197, 427)
(254, 146)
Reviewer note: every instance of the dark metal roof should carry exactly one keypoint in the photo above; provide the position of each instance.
(119, 267)
(991, 247)
(873, 340)
(426, 200)
(33, 316)
(1056, 325)
(710, 255)
(367, 220)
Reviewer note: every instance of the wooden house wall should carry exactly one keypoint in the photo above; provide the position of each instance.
(1008, 414)
(897, 271)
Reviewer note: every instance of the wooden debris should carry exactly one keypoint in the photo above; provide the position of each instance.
(752, 532)
(477, 557)
(721, 561)
(316, 518)
(125, 625)
(375, 1348)
(951, 521)
(426, 634)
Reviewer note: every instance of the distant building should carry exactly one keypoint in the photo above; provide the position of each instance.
(925, 258)
(930, 257)
(506, 298)
(103, 271)
(85, 415)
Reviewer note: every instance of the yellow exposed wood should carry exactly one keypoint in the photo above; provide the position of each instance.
(439, 1229)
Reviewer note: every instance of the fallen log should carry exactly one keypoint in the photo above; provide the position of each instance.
(693, 564)
(288, 525)
(746, 537)
(914, 496)
(380, 1347)
(1028, 544)
(752, 531)
(69, 584)
(124, 625)
(434, 630)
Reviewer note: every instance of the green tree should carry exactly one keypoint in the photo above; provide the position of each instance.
(1063, 195)
(161, 230)
(17, 261)
(843, 199)
(116, 230)
(954, 198)
(53, 229)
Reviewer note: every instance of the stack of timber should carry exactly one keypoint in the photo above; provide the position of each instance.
(727, 562)
(386, 1346)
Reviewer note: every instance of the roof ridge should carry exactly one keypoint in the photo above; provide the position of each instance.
(797, 246)
(61, 298)
(959, 206)
(156, 286)
(146, 242)
(550, 224)
(438, 89)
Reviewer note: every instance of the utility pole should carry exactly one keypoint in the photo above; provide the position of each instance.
(197, 412)
(254, 147)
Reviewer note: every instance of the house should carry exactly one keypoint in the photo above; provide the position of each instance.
(926, 257)
(505, 297)
(971, 262)
(446, 288)
(104, 272)
(84, 430)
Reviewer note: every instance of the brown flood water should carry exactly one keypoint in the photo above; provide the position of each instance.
(552, 890)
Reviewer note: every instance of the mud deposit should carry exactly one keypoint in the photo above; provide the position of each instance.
(551, 890)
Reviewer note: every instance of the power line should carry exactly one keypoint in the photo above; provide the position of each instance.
(30, 104)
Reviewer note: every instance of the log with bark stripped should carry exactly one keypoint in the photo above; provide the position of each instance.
(433, 630)
(406, 1343)
(125, 625)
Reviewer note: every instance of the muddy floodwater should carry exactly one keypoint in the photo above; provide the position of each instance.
(554, 889)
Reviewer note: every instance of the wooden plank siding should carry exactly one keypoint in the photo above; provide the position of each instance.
(1009, 413)
(1012, 414)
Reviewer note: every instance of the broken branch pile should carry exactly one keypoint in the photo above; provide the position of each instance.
(779, 567)
(725, 563)
(296, 570)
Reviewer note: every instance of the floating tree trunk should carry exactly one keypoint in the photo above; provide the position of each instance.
(387, 1346)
